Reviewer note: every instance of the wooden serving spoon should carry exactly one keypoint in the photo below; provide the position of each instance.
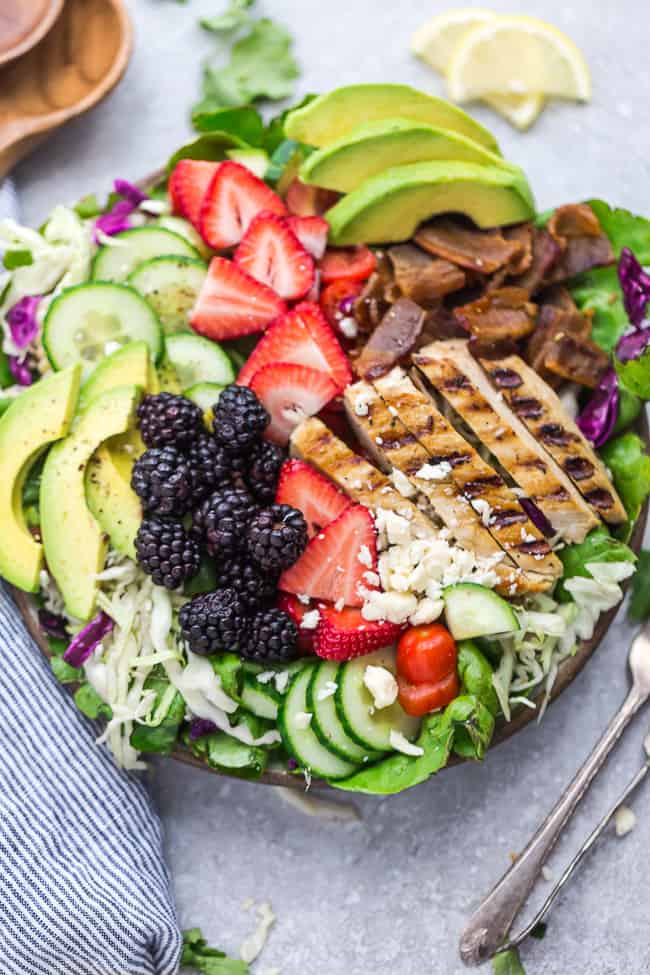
(23, 23)
(81, 59)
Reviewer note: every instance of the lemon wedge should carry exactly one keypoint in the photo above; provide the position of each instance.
(435, 42)
(517, 56)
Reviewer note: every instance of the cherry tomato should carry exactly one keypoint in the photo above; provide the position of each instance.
(426, 654)
(348, 263)
(420, 699)
(336, 300)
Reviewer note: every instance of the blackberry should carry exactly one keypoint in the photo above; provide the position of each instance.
(163, 481)
(239, 418)
(213, 465)
(264, 471)
(166, 552)
(272, 637)
(214, 622)
(166, 419)
(277, 536)
(254, 587)
(222, 520)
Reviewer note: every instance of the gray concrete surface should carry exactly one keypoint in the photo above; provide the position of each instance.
(391, 892)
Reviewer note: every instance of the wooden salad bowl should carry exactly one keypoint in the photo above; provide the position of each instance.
(23, 23)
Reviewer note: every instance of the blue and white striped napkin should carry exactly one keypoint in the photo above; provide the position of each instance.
(84, 889)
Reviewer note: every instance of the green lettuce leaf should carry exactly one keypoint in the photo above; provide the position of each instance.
(634, 375)
(90, 703)
(508, 963)
(64, 672)
(162, 737)
(244, 123)
(234, 17)
(210, 146)
(640, 601)
(598, 546)
(599, 292)
(629, 407)
(475, 672)
(208, 961)
(624, 229)
(630, 466)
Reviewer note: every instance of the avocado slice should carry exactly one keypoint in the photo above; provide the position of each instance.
(37, 417)
(389, 206)
(375, 146)
(331, 116)
(109, 495)
(75, 546)
(127, 366)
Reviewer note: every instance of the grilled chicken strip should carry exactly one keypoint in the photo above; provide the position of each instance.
(487, 509)
(451, 370)
(314, 442)
(539, 408)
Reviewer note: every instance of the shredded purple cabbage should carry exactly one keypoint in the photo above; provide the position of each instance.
(117, 218)
(20, 371)
(538, 518)
(346, 306)
(87, 640)
(292, 764)
(633, 344)
(599, 415)
(199, 727)
(635, 284)
(128, 191)
(51, 624)
(22, 320)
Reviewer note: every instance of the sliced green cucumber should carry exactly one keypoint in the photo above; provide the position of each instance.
(204, 395)
(301, 741)
(366, 725)
(171, 286)
(198, 360)
(260, 699)
(325, 720)
(116, 261)
(88, 322)
(472, 610)
(185, 229)
(254, 159)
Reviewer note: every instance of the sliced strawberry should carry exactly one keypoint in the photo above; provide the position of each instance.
(296, 610)
(234, 197)
(344, 634)
(188, 185)
(231, 303)
(304, 337)
(302, 487)
(309, 201)
(350, 263)
(271, 253)
(330, 567)
(290, 393)
(312, 233)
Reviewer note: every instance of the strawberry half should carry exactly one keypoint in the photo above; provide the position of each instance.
(304, 337)
(271, 253)
(231, 303)
(344, 634)
(295, 610)
(290, 393)
(311, 232)
(330, 567)
(188, 185)
(233, 199)
(303, 487)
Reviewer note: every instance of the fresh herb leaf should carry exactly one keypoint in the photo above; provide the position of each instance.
(208, 961)
(624, 229)
(630, 466)
(63, 672)
(88, 207)
(640, 601)
(234, 17)
(508, 963)
(90, 703)
(598, 546)
(244, 123)
(17, 258)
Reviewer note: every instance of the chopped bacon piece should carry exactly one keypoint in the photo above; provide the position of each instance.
(422, 278)
(395, 336)
(484, 251)
(545, 253)
(505, 313)
(577, 231)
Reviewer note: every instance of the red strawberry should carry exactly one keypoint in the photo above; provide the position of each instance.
(312, 233)
(304, 337)
(234, 197)
(188, 185)
(344, 634)
(271, 253)
(231, 303)
(302, 487)
(347, 263)
(290, 393)
(330, 567)
(296, 610)
(309, 201)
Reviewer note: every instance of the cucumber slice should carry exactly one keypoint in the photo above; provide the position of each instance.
(303, 742)
(171, 286)
(325, 720)
(472, 610)
(354, 705)
(261, 699)
(87, 322)
(185, 229)
(204, 395)
(115, 262)
(198, 360)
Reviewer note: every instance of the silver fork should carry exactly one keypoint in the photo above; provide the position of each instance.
(487, 928)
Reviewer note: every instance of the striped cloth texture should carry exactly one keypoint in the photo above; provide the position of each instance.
(84, 889)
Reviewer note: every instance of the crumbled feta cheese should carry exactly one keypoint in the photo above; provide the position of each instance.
(379, 440)
(265, 677)
(624, 820)
(363, 400)
(365, 557)
(435, 472)
(372, 578)
(349, 327)
(310, 620)
(393, 606)
(402, 483)
(397, 528)
(356, 485)
(401, 744)
(428, 610)
(339, 604)
(482, 508)
(329, 690)
(392, 411)
(382, 685)
(281, 681)
(304, 599)
(302, 720)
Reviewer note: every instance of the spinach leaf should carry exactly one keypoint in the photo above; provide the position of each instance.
(508, 963)
(629, 407)
(90, 703)
(161, 737)
(598, 291)
(208, 961)
(210, 146)
(64, 672)
(598, 546)
(640, 601)
(630, 466)
(244, 123)
(475, 674)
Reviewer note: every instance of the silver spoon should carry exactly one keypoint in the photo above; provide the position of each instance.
(486, 930)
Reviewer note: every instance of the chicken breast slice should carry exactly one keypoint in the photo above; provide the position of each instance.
(451, 371)
(541, 411)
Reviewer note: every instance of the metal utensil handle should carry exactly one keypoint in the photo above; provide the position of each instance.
(489, 925)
